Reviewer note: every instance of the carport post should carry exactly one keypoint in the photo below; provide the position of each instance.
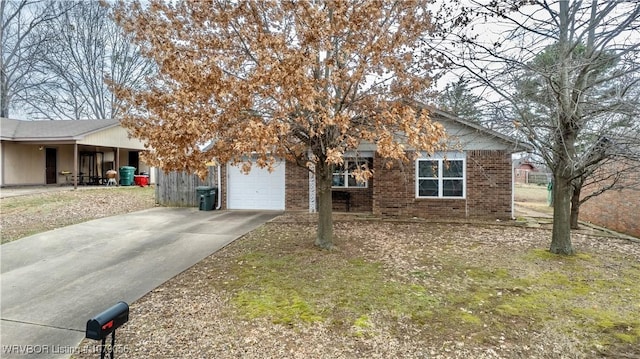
(118, 164)
(75, 165)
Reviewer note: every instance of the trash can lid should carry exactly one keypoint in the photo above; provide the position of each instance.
(204, 188)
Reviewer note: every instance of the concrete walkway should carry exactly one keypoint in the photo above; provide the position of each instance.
(53, 282)
(537, 219)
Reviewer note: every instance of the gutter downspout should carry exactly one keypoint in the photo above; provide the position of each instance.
(2, 162)
(313, 206)
(219, 188)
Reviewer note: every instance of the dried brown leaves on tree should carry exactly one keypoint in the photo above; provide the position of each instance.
(305, 80)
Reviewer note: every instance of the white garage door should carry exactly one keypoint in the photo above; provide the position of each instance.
(257, 190)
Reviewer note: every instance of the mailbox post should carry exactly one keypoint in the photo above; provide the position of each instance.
(105, 323)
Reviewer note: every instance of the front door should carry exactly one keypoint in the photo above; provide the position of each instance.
(50, 163)
(134, 160)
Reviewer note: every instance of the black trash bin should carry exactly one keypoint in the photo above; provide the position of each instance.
(206, 197)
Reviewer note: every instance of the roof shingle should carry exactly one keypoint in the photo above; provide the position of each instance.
(50, 130)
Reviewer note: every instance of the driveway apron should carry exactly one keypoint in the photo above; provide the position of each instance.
(53, 282)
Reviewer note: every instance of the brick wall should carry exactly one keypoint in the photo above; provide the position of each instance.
(391, 192)
(296, 187)
(618, 209)
(393, 188)
(488, 190)
(521, 175)
(361, 199)
(297, 193)
(222, 189)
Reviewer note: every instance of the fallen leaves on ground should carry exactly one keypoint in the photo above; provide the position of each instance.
(194, 315)
(34, 213)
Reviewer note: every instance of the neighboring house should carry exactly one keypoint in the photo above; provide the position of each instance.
(474, 179)
(528, 171)
(618, 208)
(522, 168)
(53, 152)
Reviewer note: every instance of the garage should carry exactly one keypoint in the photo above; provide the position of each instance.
(259, 189)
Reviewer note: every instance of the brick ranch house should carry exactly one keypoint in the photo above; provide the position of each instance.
(472, 180)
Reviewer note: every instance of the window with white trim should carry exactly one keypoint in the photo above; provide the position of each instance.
(343, 174)
(440, 178)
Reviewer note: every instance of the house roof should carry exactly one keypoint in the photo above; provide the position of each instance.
(47, 130)
(464, 134)
(439, 115)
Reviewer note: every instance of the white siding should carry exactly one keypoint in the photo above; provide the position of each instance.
(112, 137)
(468, 138)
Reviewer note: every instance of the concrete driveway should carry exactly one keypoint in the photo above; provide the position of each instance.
(53, 282)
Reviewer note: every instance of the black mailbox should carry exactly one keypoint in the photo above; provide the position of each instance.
(106, 322)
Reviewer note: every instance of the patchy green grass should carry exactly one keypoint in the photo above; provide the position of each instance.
(290, 288)
(579, 292)
(400, 290)
(521, 291)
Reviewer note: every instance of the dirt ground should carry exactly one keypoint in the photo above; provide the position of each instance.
(395, 289)
(532, 197)
(27, 210)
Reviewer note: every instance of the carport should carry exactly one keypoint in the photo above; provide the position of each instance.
(65, 152)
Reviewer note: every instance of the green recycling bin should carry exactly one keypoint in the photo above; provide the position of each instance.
(206, 197)
(126, 175)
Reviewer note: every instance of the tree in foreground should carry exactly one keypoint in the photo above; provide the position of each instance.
(306, 81)
(580, 59)
(605, 147)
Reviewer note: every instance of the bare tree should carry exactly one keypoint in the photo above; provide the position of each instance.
(579, 99)
(22, 45)
(86, 50)
(604, 139)
(612, 164)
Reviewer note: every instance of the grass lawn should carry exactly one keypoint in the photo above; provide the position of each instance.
(532, 196)
(396, 289)
(30, 214)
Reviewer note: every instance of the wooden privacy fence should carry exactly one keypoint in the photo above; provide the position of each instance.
(539, 177)
(178, 189)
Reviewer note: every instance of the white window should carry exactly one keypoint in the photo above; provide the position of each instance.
(343, 174)
(443, 177)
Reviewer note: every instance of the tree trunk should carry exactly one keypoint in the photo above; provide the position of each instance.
(4, 93)
(564, 143)
(325, 221)
(575, 206)
(561, 236)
